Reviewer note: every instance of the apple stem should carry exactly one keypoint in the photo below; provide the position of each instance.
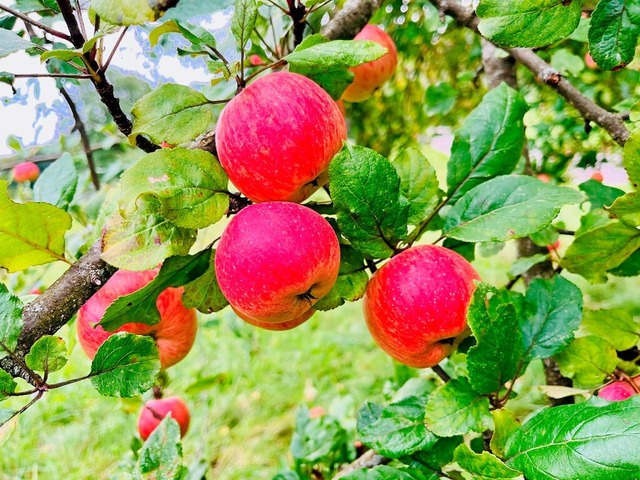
(438, 370)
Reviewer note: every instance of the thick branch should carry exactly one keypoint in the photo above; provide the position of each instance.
(351, 19)
(72, 23)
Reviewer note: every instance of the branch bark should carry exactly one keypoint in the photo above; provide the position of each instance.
(368, 459)
(352, 18)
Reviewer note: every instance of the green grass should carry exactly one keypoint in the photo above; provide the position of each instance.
(242, 384)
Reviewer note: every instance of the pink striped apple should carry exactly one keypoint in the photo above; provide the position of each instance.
(620, 390)
(154, 411)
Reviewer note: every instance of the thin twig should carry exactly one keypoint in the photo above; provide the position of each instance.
(80, 20)
(23, 409)
(438, 370)
(35, 23)
(51, 75)
(115, 48)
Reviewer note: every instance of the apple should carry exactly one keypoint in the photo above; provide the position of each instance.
(255, 60)
(174, 334)
(619, 390)
(589, 62)
(597, 176)
(154, 411)
(275, 260)
(275, 139)
(26, 172)
(416, 305)
(544, 177)
(372, 75)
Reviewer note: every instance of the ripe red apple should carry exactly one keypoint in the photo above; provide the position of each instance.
(416, 304)
(26, 172)
(275, 139)
(620, 390)
(154, 411)
(275, 260)
(372, 75)
(597, 176)
(174, 334)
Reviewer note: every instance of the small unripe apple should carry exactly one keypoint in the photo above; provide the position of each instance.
(255, 60)
(416, 304)
(275, 260)
(154, 411)
(26, 172)
(174, 334)
(597, 176)
(372, 75)
(619, 390)
(276, 138)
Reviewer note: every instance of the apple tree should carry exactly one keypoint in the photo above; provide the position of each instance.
(305, 175)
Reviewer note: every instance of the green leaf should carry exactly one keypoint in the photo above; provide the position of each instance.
(613, 32)
(161, 455)
(506, 424)
(198, 36)
(522, 264)
(171, 113)
(10, 321)
(204, 292)
(505, 208)
(616, 326)
(384, 472)
(629, 268)
(600, 195)
(499, 349)
(484, 466)
(126, 12)
(11, 42)
(30, 233)
(489, 143)
(48, 354)
(190, 185)
(395, 430)
(372, 213)
(125, 365)
(627, 209)
(631, 157)
(244, 21)
(552, 312)
(431, 460)
(418, 183)
(142, 304)
(456, 409)
(587, 360)
(7, 386)
(187, 9)
(64, 55)
(57, 183)
(351, 282)
(591, 440)
(528, 23)
(601, 249)
(144, 238)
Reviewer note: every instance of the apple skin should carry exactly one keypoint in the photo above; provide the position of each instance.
(589, 62)
(372, 75)
(597, 176)
(416, 305)
(154, 411)
(26, 172)
(276, 138)
(620, 390)
(274, 261)
(174, 334)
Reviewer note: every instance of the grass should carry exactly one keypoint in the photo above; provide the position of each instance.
(242, 385)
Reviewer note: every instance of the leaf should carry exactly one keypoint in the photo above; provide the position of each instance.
(616, 326)
(384, 472)
(627, 209)
(631, 157)
(57, 183)
(600, 195)
(499, 348)
(432, 459)
(601, 249)
(161, 454)
(594, 440)
(171, 113)
(62, 54)
(125, 365)
(552, 312)
(528, 23)
(144, 238)
(204, 292)
(522, 264)
(30, 233)
(190, 185)
(142, 304)
(187, 9)
(505, 208)
(48, 354)
(244, 21)
(125, 12)
(484, 466)
(506, 424)
(372, 213)
(11, 42)
(418, 183)
(629, 268)
(456, 409)
(351, 282)
(7, 386)
(587, 360)
(198, 36)
(10, 321)
(613, 32)
(489, 143)
(395, 430)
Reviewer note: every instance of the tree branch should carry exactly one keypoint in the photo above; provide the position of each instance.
(368, 459)
(35, 23)
(352, 18)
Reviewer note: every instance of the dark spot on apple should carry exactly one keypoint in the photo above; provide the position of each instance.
(447, 341)
(307, 296)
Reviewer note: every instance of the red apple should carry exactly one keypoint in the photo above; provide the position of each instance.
(275, 139)
(597, 176)
(544, 177)
(620, 390)
(372, 75)
(416, 304)
(155, 410)
(275, 260)
(590, 62)
(26, 172)
(174, 334)
(255, 60)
